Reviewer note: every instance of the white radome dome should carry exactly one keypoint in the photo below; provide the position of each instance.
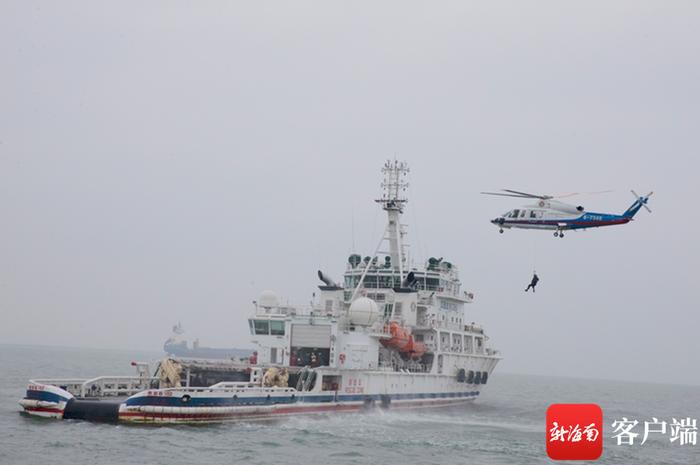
(268, 299)
(363, 312)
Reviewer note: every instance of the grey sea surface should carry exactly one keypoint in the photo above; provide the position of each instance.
(506, 425)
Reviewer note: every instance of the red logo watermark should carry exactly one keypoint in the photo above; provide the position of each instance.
(574, 432)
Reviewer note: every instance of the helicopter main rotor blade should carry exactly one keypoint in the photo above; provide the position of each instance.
(507, 195)
(526, 194)
(566, 195)
(600, 192)
(563, 196)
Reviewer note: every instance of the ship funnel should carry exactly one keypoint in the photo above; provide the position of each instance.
(327, 279)
(408, 280)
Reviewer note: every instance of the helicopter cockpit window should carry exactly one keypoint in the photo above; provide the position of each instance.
(515, 213)
(522, 214)
(533, 214)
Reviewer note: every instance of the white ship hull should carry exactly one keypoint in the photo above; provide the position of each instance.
(229, 402)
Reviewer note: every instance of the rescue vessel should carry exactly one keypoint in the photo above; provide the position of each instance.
(390, 335)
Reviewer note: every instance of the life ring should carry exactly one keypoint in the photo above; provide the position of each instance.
(341, 358)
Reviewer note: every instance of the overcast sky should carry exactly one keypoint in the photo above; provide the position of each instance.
(165, 161)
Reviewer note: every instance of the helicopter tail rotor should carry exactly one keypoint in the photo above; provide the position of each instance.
(641, 201)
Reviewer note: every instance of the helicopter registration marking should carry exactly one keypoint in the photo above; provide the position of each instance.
(593, 217)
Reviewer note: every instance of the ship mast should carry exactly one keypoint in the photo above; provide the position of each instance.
(393, 201)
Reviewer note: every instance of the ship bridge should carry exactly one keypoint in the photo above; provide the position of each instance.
(424, 303)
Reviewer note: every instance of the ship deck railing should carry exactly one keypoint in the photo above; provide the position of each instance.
(395, 369)
(101, 386)
(235, 386)
(426, 323)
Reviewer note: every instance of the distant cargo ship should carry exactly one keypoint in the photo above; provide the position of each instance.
(177, 346)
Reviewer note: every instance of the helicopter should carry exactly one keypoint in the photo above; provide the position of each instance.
(551, 214)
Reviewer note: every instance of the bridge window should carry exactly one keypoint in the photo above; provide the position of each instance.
(262, 326)
(277, 328)
(381, 282)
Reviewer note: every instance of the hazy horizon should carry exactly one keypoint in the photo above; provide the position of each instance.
(167, 162)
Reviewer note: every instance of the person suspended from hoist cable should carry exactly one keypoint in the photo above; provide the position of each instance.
(533, 283)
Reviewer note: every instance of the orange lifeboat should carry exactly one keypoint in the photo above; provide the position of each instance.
(399, 336)
(414, 349)
(402, 340)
